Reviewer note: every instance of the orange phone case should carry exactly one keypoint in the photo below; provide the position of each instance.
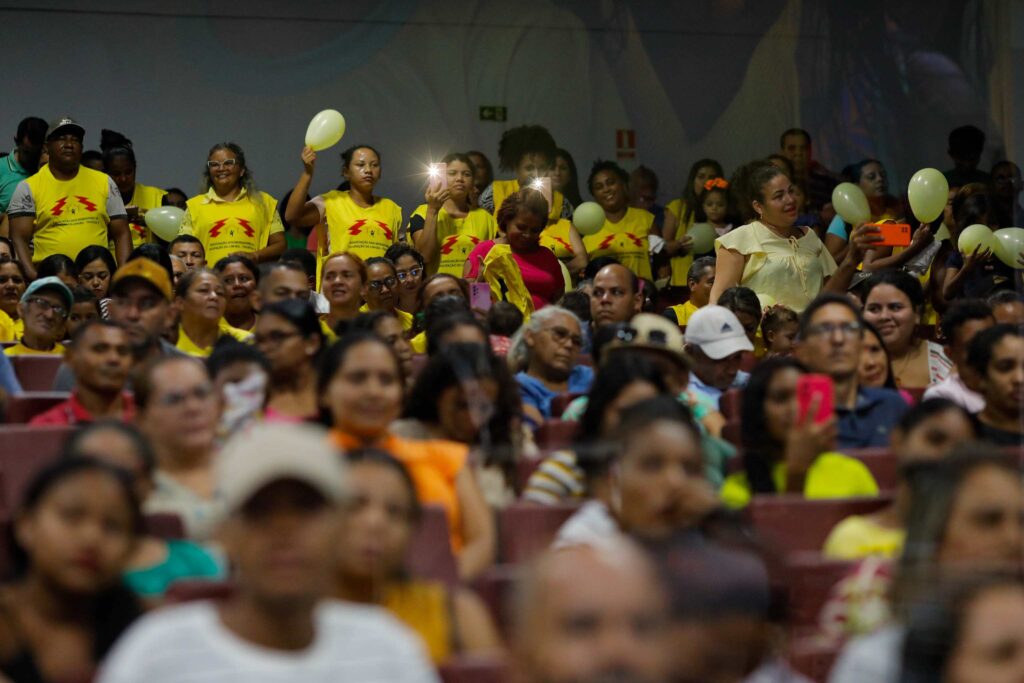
(893, 234)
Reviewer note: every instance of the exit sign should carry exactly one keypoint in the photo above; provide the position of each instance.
(493, 113)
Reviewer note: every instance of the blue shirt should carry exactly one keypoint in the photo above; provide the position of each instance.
(8, 380)
(534, 393)
(11, 173)
(713, 394)
(840, 229)
(868, 423)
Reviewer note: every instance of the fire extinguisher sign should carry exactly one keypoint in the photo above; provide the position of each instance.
(625, 144)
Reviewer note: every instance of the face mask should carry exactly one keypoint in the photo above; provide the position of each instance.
(242, 402)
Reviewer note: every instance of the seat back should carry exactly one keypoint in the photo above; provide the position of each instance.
(811, 579)
(466, 669)
(555, 434)
(430, 549)
(795, 523)
(561, 402)
(24, 451)
(882, 463)
(25, 406)
(527, 529)
(36, 373)
(165, 525)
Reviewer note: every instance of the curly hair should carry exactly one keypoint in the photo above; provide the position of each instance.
(518, 142)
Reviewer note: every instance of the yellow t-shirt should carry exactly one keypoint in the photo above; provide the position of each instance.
(71, 215)
(226, 227)
(365, 232)
(859, 536)
(406, 319)
(625, 240)
(556, 238)
(8, 328)
(186, 345)
(419, 343)
(325, 329)
(456, 237)
(20, 349)
(680, 264)
(831, 475)
(792, 271)
(683, 312)
(503, 189)
(146, 198)
(423, 606)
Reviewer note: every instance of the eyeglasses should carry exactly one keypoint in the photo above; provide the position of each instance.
(227, 163)
(46, 306)
(562, 335)
(848, 329)
(389, 282)
(274, 338)
(628, 335)
(144, 304)
(411, 273)
(174, 399)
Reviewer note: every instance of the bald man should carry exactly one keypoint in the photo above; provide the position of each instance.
(592, 614)
(616, 296)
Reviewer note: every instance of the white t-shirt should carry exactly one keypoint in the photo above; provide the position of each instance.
(592, 525)
(353, 643)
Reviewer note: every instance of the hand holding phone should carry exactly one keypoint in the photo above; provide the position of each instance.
(815, 392)
(893, 234)
(480, 296)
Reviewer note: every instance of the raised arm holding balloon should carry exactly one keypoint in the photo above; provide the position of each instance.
(863, 199)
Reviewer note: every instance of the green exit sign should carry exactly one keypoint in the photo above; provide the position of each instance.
(493, 113)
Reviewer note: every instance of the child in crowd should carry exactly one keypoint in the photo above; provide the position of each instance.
(503, 320)
(779, 328)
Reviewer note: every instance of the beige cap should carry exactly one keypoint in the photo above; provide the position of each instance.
(272, 452)
(651, 332)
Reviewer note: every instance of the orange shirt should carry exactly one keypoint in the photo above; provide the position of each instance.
(433, 465)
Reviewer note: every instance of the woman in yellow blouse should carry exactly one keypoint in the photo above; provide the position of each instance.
(201, 300)
(680, 214)
(233, 216)
(625, 232)
(371, 563)
(771, 254)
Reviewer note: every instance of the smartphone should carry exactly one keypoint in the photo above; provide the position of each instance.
(893, 234)
(480, 296)
(438, 177)
(815, 387)
(543, 185)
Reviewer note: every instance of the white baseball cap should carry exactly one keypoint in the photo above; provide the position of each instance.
(717, 332)
(272, 452)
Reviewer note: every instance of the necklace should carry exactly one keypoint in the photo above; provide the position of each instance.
(904, 363)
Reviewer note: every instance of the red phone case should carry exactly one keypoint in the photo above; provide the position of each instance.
(894, 234)
(809, 387)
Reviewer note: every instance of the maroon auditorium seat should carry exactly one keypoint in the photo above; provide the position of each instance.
(525, 467)
(466, 669)
(554, 434)
(165, 525)
(796, 523)
(883, 465)
(23, 407)
(811, 578)
(561, 402)
(496, 588)
(23, 452)
(527, 529)
(430, 550)
(36, 373)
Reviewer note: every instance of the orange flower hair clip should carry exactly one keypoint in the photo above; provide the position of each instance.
(720, 183)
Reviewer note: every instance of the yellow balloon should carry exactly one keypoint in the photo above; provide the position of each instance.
(165, 221)
(1009, 244)
(588, 218)
(325, 129)
(974, 236)
(943, 233)
(851, 204)
(928, 193)
(703, 238)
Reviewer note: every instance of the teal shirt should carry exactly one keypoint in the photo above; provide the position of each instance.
(185, 560)
(11, 173)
